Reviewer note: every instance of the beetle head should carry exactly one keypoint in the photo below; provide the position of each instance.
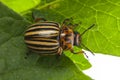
(77, 39)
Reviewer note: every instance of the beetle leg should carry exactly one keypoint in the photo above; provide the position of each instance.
(39, 19)
(67, 21)
(80, 52)
(60, 50)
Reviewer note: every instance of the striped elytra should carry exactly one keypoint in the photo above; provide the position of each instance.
(43, 38)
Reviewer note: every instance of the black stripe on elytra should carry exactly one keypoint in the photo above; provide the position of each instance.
(43, 49)
(42, 29)
(55, 23)
(42, 40)
(41, 45)
(44, 24)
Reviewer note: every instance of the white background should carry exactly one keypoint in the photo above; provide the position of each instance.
(104, 67)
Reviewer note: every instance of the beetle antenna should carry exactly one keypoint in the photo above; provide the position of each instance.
(88, 29)
(87, 49)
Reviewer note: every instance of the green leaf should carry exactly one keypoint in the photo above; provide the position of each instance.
(104, 37)
(21, 5)
(47, 13)
(14, 66)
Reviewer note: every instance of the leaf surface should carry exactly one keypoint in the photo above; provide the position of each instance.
(14, 66)
(104, 37)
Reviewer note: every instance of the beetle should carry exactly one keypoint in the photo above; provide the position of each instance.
(51, 38)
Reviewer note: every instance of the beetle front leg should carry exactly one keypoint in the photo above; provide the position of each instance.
(67, 21)
(80, 52)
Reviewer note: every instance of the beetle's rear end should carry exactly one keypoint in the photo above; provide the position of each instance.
(43, 38)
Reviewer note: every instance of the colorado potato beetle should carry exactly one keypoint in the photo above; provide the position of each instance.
(50, 38)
